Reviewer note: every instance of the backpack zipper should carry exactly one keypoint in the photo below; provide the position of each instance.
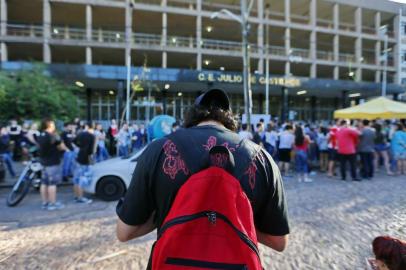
(212, 217)
(204, 264)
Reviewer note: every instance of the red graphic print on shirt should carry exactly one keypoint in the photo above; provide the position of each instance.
(212, 141)
(251, 171)
(219, 160)
(173, 162)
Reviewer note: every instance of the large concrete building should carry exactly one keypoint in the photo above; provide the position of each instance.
(324, 54)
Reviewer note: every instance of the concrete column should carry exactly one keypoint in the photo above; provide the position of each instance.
(89, 23)
(46, 55)
(358, 43)
(313, 38)
(336, 16)
(287, 36)
(313, 56)
(3, 30)
(287, 51)
(3, 17)
(164, 34)
(199, 34)
(287, 11)
(89, 56)
(128, 30)
(336, 73)
(336, 40)
(378, 51)
(260, 36)
(377, 21)
(397, 50)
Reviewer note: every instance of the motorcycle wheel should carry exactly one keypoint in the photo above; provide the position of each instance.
(19, 191)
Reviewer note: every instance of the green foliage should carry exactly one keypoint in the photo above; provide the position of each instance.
(33, 94)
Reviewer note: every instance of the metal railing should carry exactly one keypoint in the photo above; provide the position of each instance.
(19, 30)
(329, 56)
(66, 33)
(348, 58)
(149, 40)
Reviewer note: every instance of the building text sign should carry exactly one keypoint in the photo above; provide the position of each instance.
(255, 79)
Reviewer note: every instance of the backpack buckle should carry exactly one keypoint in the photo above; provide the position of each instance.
(212, 217)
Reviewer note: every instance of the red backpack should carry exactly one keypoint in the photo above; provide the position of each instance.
(210, 224)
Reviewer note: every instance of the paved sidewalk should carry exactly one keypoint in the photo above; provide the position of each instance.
(333, 224)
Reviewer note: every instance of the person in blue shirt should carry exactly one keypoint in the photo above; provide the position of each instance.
(398, 146)
(5, 151)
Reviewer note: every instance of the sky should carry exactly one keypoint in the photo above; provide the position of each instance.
(399, 1)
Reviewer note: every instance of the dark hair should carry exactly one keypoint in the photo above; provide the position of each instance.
(198, 114)
(391, 251)
(324, 130)
(259, 125)
(288, 127)
(45, 123)
(343, 122)
(244, 126)
(299, 137)
(365, 122)
(377, 127)
(399, 126)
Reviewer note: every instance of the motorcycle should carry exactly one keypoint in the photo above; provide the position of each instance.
(31, 176)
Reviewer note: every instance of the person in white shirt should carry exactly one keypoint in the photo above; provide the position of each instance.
(271, 138)
(286, 141)
(244, 133)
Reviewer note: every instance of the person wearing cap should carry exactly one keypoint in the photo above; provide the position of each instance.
(162, 169)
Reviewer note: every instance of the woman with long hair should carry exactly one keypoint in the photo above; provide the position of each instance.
(381, 149)
(390, 253)
(301, 146)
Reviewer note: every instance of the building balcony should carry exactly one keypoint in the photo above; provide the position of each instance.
(143, 41)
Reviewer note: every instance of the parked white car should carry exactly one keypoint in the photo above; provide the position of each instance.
(112, 177)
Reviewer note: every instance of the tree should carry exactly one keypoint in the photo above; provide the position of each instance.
(34, 94)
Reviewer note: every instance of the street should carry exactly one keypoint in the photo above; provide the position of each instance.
(332, 226)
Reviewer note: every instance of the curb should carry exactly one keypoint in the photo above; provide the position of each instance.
(10, 185)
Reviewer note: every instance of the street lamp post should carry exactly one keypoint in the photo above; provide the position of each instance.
(243, 20)
(128, 64)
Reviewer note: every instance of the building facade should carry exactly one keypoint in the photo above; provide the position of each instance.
(323, 54)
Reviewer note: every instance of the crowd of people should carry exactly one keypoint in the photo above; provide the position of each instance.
(68, 155)
(364, 145)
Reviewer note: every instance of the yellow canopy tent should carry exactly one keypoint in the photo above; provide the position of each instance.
(380, 107)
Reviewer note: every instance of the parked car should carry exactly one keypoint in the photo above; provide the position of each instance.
(112, 177)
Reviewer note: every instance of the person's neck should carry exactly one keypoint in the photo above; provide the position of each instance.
(210, 123)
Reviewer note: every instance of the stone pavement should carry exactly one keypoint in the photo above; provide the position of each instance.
(333, 223)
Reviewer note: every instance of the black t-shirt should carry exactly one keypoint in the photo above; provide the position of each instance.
(85, 141)
(48, 149)
(158, 176)
(67, 138)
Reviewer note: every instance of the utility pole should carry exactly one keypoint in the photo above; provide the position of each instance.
(246, 61)
(267, 7)
(245, 27)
